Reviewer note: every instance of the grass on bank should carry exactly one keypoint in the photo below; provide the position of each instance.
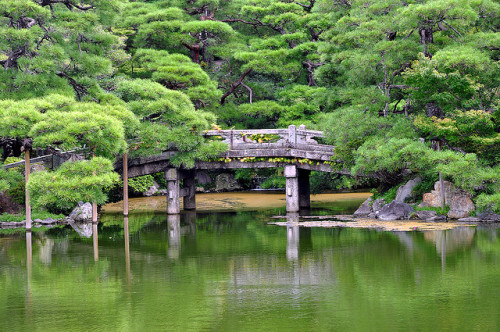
(6, 217)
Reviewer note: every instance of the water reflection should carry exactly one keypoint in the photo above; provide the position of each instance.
(174, 236)
(451, 240)
(29, 266)
(292, 237)
(29, 257)
(95, 242)
(127, 249)
(46, 247)
(236, 272)
(83, 229)
(406, 238)
(190, 220)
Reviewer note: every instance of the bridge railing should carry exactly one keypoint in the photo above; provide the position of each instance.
(293, 137)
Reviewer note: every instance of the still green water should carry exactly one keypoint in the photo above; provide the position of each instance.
(234, 272)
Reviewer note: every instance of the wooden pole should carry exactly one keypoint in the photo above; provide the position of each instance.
(441, 182)
(125, 184)
(27, 194)
(94, 203)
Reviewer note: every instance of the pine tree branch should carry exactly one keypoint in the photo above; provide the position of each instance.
(79, 89)
(250, 91)
(234, 86)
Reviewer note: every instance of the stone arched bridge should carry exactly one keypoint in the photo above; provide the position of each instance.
(295, 149)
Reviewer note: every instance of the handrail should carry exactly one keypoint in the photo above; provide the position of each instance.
(291, 137)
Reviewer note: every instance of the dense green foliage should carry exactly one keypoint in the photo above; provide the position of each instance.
(387, 80)
(73, 182)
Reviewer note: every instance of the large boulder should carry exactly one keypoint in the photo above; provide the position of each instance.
(83, 212)
(488, 216)
(405, 191)
(202, 177)
(460, 205)
(376, 207)
(226, 182)
(364, 209)
(395, 211)
(458, 200)
(378, 204)
(151, 191)
(434, 197)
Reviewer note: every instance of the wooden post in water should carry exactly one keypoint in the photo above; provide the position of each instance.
(95, 242)
(441, 182)
(94, 212)
(125, 184)
(27, 193)
(94, 203)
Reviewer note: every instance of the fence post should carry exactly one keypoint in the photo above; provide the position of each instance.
(125, 184)
(292, 134)
(302, 137)
(27, 193)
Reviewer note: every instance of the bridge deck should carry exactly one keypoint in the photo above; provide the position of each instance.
(262, 148)
(257, 148)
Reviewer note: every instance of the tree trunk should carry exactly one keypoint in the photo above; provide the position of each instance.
(432, 109)
(195, 51)
(426, 37)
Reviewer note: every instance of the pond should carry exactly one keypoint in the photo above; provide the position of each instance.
(232, 271)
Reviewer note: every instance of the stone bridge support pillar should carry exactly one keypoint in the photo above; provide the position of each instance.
(188, 189)
(173, 191)
(304, 189)
(298, 192)
(292, 188)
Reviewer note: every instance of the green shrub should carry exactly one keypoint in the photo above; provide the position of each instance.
(11, 160)
(274, 182)
(486, 202)
(141, 183)
(245, 176)
(160, 179)
(388, 195)
(59, 191)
